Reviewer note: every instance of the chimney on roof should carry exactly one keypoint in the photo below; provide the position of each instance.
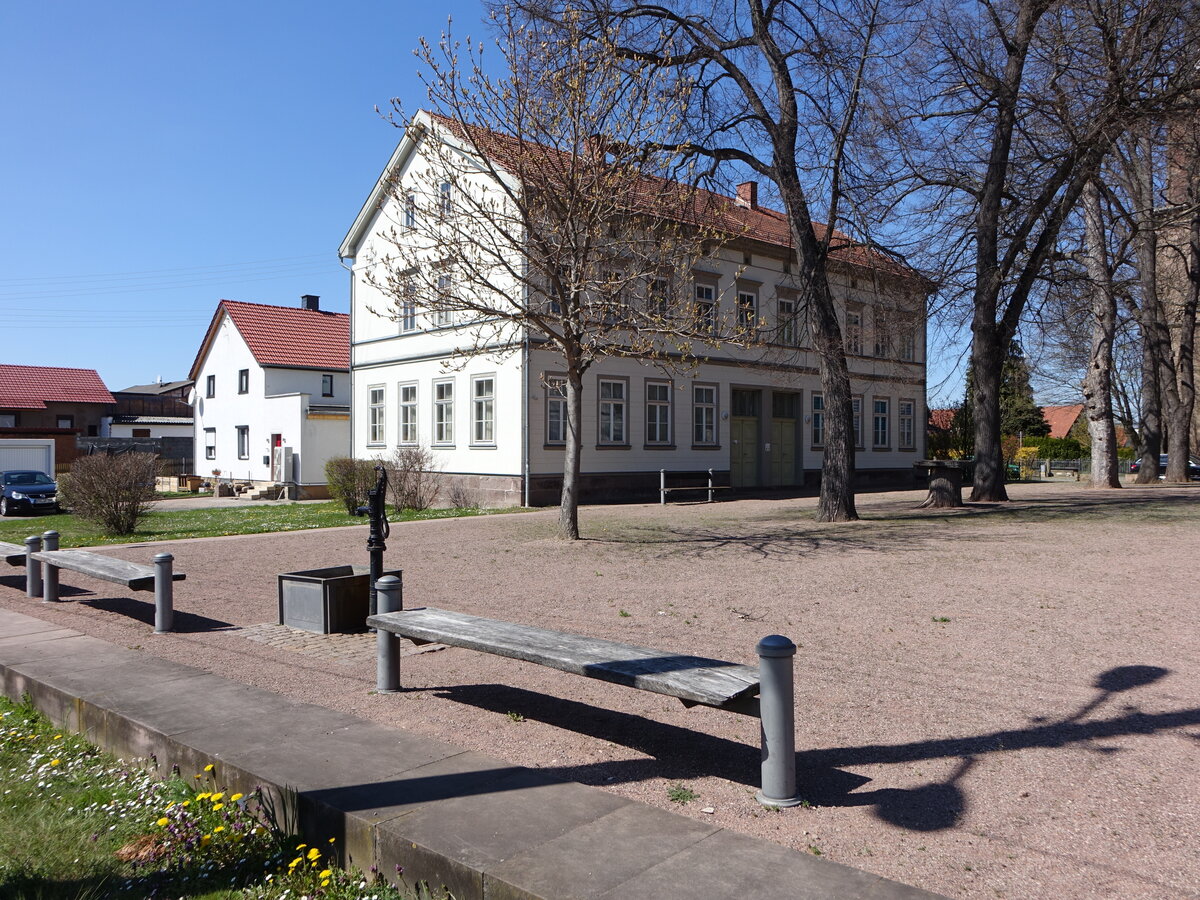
(747, 194)
(310, 301)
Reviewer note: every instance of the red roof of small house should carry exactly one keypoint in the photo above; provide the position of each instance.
(941, 419)
(285, 336)
(32, 387)
(1062, 419)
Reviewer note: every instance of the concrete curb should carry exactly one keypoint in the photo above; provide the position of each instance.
(478, 826)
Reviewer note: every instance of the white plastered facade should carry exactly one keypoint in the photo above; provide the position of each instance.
(764, 409)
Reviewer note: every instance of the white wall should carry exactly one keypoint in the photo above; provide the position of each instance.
(125, 430)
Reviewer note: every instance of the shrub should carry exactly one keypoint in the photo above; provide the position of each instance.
(349, 480)
(1057, 448)
(415, 479)
(112, 491)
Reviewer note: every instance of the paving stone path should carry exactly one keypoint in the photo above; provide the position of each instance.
(349, 649)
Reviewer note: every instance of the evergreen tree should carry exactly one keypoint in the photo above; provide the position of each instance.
(1019, 415)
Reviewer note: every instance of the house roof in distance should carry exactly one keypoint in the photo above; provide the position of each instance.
(284, 336)
(159, 387)
(1062, 419)
(32, 387)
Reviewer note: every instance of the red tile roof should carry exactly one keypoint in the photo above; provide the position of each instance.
(32, 387)
(1061, 419)
(942, 418)
(285, 336)
(715, 210)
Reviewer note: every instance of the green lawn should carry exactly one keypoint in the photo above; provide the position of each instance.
(79, 824)
(193, 523)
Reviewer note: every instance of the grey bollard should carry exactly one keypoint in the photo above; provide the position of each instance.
(33, 568)
(50, 571)
(387, 645)
(164, 593)
(777, 712)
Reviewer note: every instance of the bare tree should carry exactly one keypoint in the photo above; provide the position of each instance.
(776, 88)
(1017, 104)
(541, 214)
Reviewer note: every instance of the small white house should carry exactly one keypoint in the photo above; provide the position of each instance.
(495, 422)
(271, 395)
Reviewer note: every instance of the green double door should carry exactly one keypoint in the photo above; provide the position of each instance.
(761, 456)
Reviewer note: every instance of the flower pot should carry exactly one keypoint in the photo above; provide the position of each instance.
(334, 600)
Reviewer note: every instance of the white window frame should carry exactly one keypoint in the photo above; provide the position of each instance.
(817, 405)
(445, 198)
(854, 332)
(704, 304)
(881, 421)
(704, 415)
(906, 424)
(406, 402)
(908, 345)
(443, 412)
(658, 298)
(408, 308)
(376, 415)
(443, 317)
(747, 309)
(856, 409)
(210, 443)
(483, 411)
(243, 441)
(612, 412)
(556, 399)
(788, 327)
(658, 413)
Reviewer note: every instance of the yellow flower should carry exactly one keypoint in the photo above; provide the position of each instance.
(209, 767)
(325, 874)
(58, 737)
(197, 775)
(301, 846)
(236, 797)
(325, 883)
(205, 840)
(219, 828)
(217, 806)
(295, 862)
(218, 796)
(203, 796)
(55, 762)
(161, 822)
(169, 805)
(186, 803)
(331, 840)
(314, 853)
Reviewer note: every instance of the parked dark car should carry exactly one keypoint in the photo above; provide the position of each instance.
(26, 490)
(1193, 469)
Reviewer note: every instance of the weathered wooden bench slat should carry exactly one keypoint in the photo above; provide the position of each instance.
(692, 679)
(106, 568)
(14, 554)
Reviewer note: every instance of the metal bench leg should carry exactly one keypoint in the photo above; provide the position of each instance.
(164, 593)
(387, 645)
(33, 568)
(49, 570)
(777, 711)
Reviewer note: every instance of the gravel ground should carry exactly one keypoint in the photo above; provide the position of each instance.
(1001, 701)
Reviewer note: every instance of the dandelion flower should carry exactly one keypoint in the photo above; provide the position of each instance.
(325, 883)
(217, 806)
(217, 796)
(331, 840)
(203, 796)
(209, 767)
(314, 853)
(57, 737)
(162, 822)
(55, 762)
(205, 840)
(236, 797)
(186, 803)
(301, 846)
(325, 874)
(197, 775)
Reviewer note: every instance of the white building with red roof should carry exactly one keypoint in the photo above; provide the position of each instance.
(494, 422)
(271, 394)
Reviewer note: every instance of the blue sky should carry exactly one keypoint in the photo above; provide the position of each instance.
(161, 156)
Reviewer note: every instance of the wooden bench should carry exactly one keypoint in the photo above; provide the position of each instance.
(14, 554)
(663, 490)
(694, 680)
(158, 578)
(765, 692)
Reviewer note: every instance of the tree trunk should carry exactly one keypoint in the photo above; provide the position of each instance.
(987, 362)
(836, 503)
(1097, 385)
(1179, 430)
(568, 510)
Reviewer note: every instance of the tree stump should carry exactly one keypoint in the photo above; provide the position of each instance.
(945, 483)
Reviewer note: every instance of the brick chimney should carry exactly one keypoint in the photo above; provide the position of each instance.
(747, 194)
(310, 301)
